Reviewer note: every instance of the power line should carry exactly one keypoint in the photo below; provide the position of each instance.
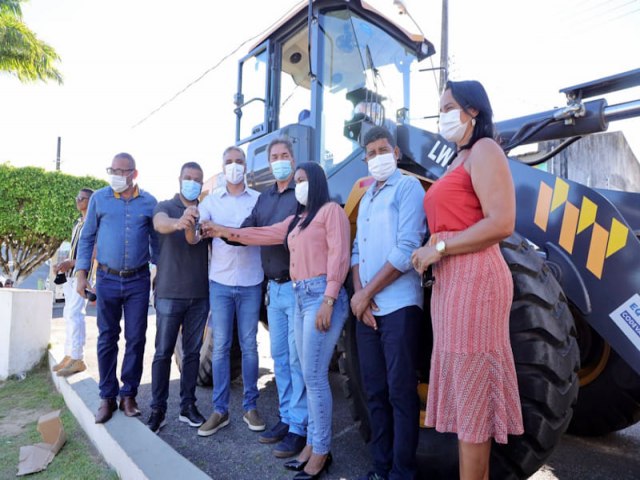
(622, 15)
(579, 14)
(608, 11)
(210, 69)
(594, 24)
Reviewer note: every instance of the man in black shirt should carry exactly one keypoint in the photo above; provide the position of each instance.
(181, 300)
(273, 206)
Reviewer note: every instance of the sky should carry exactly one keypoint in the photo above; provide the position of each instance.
(124, 58)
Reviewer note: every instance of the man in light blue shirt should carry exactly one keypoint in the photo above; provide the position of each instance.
(119, 224)
(388, 302)
(235, 291)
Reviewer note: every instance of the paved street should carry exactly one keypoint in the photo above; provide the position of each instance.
(234, 452)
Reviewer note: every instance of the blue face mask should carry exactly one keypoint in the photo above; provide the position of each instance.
(281, 169)
(190, 189)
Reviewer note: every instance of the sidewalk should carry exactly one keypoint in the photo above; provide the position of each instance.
(125, 443)
(234, 452)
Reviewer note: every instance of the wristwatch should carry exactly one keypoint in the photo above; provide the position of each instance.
(329, 301)
(441, 247)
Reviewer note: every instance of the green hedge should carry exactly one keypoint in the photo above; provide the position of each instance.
(37, 212)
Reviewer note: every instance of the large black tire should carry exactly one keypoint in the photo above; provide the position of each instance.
(545, 350)
(609, 396)
(543, 340)
(205, 374)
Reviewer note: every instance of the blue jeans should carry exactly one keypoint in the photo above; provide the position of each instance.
(315, 349)
(292, 394)
(190, 314)
(115, 295)
(244, 304)
(388, 363)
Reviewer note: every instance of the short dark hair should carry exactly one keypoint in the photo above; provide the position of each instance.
(378, 133)
(236, 149)
(318, 195)
(193, 165)
(280, 141)
(88, 191)
(127, 156)
(471, 94)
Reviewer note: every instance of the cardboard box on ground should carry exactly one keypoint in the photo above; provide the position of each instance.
(35, 458)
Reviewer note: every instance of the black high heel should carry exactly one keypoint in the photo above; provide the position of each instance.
(307, 476)
(295, 465)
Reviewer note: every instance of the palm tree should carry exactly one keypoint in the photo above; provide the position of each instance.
(21, 52)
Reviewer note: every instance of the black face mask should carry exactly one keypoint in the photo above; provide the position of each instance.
(60, 279)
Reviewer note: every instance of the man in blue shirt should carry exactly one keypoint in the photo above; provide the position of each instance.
(119, 224)
(388, 304)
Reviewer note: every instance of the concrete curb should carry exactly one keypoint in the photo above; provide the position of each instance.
(126, 444)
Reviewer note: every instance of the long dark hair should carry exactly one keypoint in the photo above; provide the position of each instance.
(471, 94)
(318, 196)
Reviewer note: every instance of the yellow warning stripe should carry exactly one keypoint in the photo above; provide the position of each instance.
(588, 212)
(604, 243)
(597, 249)
(544, 204)
(569, 225)
(560, 193)
(617, 238)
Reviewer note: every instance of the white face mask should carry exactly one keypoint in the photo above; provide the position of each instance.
(382, 166)
(118, 183)
(302, 192)
(234, 173)
(451, 128)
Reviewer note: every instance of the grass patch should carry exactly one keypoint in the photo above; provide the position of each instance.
(21, 404)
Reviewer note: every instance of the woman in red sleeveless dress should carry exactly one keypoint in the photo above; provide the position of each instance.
(473, 389)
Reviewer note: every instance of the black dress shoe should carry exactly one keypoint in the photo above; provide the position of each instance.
(308, 476)
(295, 465)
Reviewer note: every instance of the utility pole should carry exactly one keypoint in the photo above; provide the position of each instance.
(444, 46)
(58, 155)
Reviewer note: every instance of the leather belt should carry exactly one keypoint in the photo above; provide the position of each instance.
(122, 273)
(283, 279)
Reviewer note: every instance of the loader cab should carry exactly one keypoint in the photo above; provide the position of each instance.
(321, 78)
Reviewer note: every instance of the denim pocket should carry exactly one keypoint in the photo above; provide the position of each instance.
(316, 286)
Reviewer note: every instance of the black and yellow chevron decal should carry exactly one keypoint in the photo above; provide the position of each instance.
(575, 221)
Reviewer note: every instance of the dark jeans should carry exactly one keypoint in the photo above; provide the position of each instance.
(388, 360)
(171, 314)
(115, 295)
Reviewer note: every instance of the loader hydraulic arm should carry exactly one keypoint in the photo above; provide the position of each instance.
(577, 118)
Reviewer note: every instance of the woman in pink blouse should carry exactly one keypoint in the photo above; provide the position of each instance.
(318, 241)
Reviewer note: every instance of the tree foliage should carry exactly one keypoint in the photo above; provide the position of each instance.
(37, 212)
(21, 52)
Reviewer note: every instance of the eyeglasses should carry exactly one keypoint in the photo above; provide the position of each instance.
(119, 171)
(79, 199)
